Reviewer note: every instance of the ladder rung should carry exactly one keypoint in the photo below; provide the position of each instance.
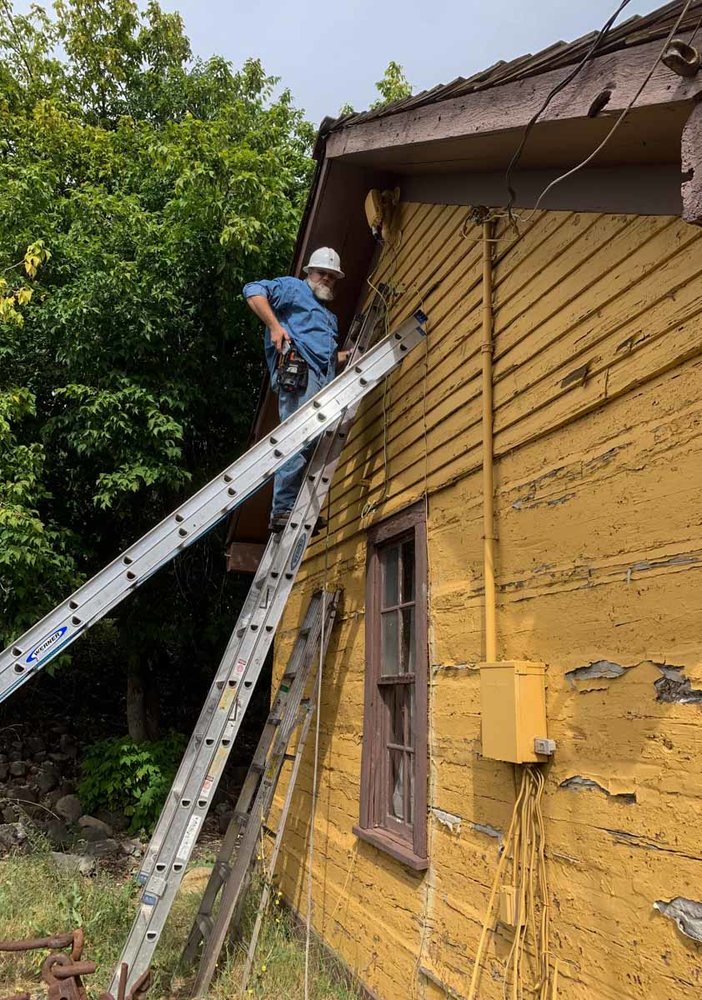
(289, 756)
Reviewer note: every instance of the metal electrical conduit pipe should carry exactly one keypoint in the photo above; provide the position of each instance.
(486, 348)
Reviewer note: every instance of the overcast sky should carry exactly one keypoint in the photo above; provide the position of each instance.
(329, 52)
(332, 51)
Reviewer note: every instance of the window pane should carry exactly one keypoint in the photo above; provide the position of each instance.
(407, 665)
(397, 789)
(389, 558)
(408, 571)
(389, 628)
(394, 698)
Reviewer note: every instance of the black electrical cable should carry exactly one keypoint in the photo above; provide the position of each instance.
(622, 116)
(696, 29)
(601, 35)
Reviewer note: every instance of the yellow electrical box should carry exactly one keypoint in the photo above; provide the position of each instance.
(513, 707)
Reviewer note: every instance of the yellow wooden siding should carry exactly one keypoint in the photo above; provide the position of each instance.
(598, 417)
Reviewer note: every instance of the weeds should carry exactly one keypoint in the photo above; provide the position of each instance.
(37, 900)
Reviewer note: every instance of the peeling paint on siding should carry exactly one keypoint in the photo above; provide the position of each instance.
(674, 688)
(489, 831)
(447, 819)
(578, 783)
(687, 914)
(599, 669)
(648, 564)
(438, 667)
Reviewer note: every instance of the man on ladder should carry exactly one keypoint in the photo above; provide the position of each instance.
(301, 354)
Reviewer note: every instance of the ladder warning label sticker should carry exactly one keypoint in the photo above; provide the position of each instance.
(240, 667)
(207, 786)
(220, 759)
(188, 841)
(228, 696)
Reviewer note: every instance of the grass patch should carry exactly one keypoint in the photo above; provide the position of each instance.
(37, 900)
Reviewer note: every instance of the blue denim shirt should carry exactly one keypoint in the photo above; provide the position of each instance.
(312, 327)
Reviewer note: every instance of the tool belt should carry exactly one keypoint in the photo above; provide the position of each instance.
(293, 370)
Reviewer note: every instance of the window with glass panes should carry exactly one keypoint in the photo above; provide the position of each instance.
(393, 797)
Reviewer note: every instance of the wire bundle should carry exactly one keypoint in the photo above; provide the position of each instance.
(527, 967)
(527, 971)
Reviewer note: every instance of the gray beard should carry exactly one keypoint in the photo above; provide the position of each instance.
(321, 292)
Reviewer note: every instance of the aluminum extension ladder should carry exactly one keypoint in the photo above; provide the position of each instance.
(198, 515)
(233, 868)
(206, 755)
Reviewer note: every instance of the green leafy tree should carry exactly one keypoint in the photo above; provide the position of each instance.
(151, 186)
(394, 86)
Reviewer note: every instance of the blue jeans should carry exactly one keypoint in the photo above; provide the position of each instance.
(288, 479)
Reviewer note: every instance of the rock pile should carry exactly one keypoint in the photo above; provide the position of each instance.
(39, 802)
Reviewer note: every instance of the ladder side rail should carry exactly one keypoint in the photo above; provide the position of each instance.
(164, 880)
(206, 715)
(252, 781)
(277, 844)
(235, 886)
(201, 512)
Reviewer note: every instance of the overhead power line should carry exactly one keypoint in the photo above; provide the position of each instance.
(622, 116)
(590, 54)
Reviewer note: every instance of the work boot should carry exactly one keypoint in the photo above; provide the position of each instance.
(278, 521)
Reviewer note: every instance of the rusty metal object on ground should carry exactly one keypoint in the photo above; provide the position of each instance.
(63, 972)
(32, 944)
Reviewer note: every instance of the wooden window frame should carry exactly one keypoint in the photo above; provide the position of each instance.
(405, 845)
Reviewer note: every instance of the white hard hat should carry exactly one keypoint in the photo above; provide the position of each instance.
(325, 259)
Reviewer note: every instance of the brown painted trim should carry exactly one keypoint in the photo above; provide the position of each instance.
(244, 557)
(397, 849)
(691, 155)
(512, 105)
(302, 245)
(373, 776)
(632, 190)
(396, 524)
